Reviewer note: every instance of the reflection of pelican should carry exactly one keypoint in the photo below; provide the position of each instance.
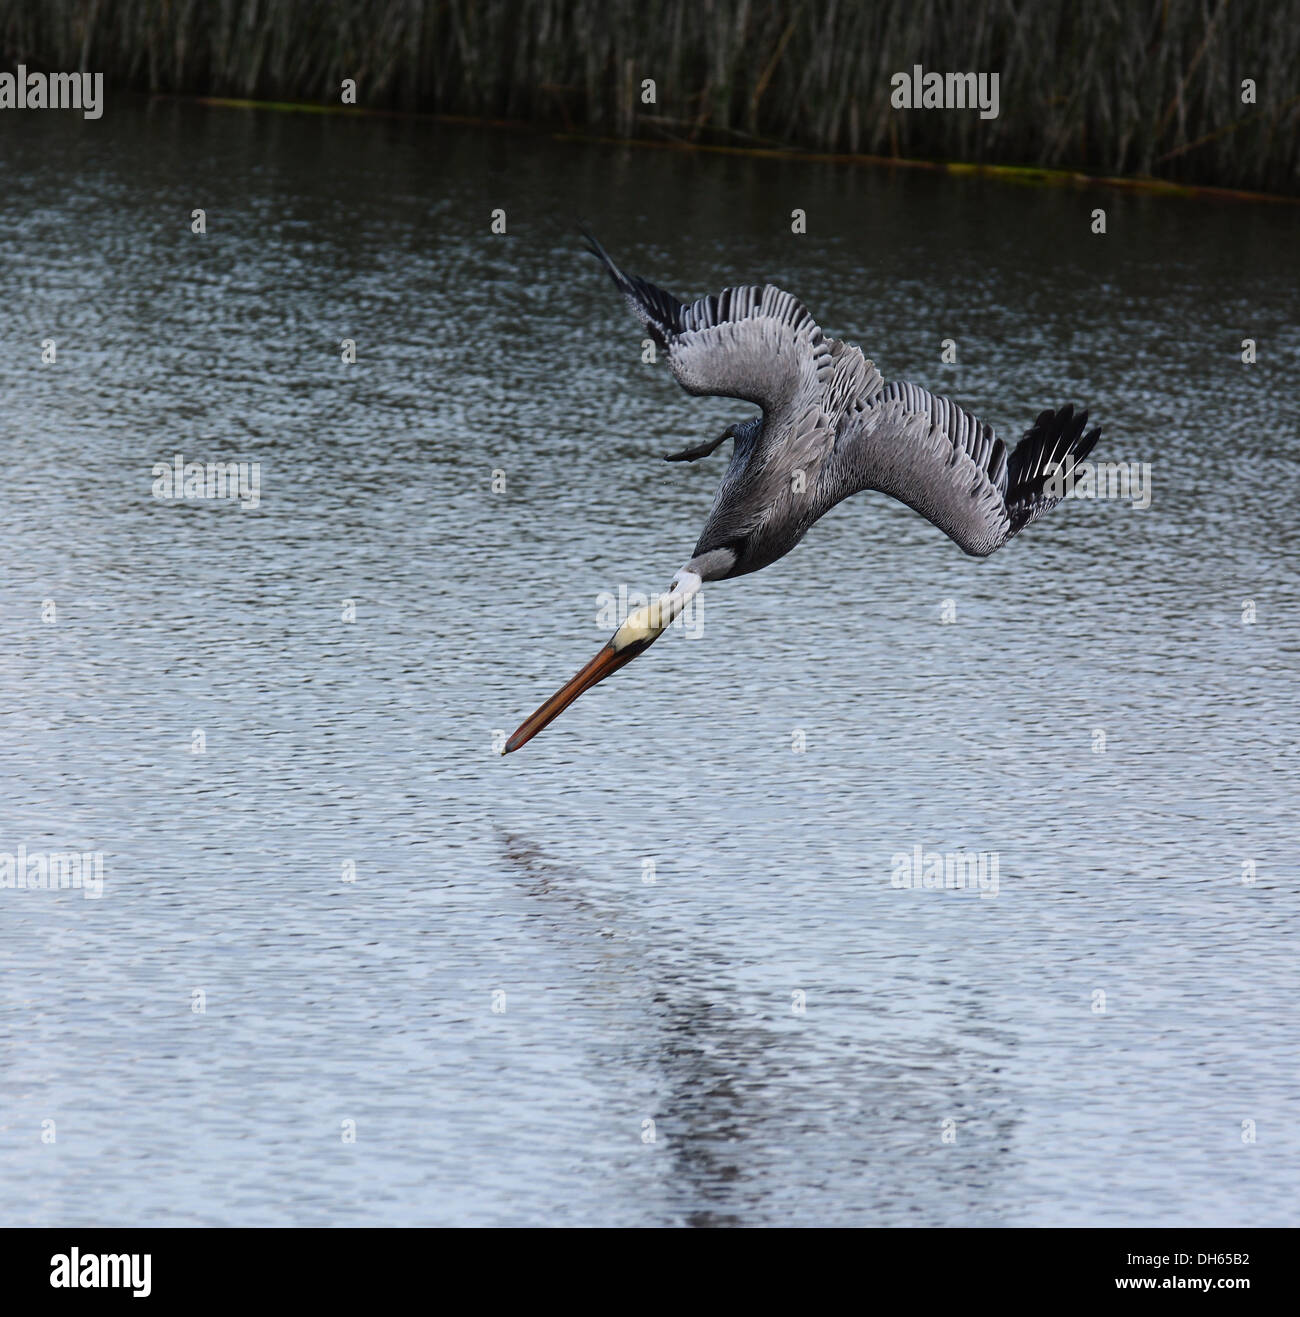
(830, 427)
(759, 1118)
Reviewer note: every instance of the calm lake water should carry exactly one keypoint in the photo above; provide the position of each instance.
(683, 888)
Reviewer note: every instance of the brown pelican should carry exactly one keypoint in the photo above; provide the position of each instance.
(830, 427)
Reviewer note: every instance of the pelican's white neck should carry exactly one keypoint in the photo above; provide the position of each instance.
(656, 617)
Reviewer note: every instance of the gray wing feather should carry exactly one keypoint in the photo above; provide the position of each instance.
(932, 455)
(949, 466)
(854, 382)
(759, 344)
(963, 430)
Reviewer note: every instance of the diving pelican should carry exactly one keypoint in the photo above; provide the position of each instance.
(830, 427)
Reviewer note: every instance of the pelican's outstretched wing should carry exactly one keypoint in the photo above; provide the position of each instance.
(941, 461)
(757, 344)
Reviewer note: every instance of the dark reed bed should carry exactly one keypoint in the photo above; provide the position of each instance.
(1147, 87)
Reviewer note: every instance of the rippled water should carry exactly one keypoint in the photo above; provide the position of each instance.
(655, 879)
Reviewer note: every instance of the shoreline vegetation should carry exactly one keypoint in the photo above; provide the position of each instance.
(1024, 175)
(1185, 97)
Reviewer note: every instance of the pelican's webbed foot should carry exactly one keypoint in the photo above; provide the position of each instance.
(704, 449)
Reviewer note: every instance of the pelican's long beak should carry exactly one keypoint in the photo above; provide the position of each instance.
(635, 636)
(608, 660)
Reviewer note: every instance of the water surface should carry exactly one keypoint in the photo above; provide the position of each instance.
(952, 1064)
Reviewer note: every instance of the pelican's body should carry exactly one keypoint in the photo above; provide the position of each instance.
(830, 427)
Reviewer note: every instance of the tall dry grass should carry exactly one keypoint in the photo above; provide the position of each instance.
(1115, 86)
